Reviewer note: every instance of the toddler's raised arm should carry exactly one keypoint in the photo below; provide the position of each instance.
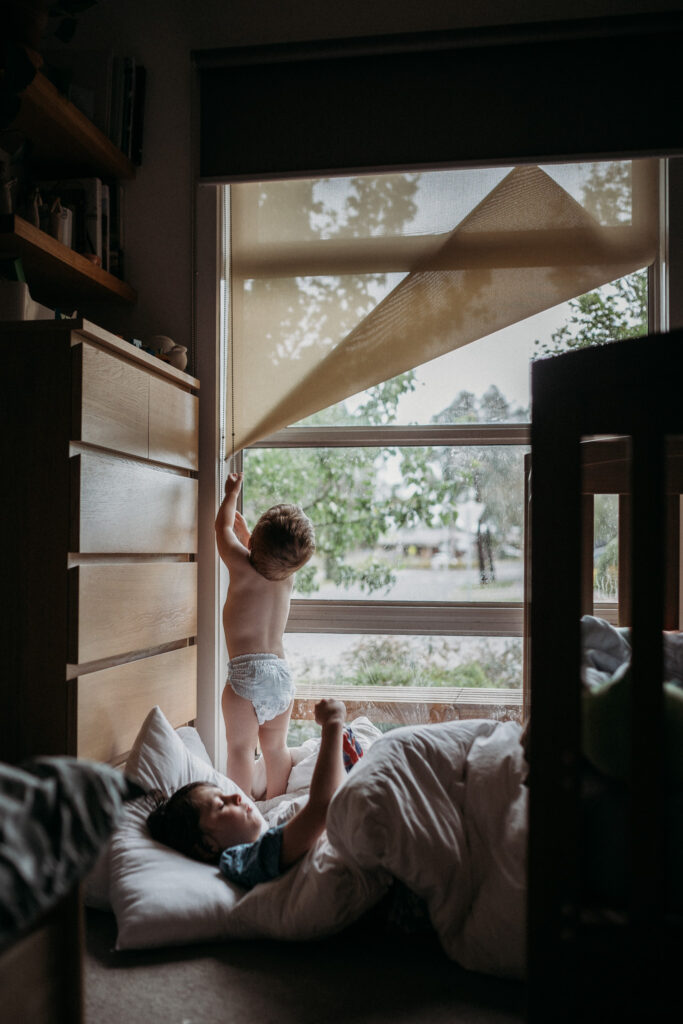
(226, 539)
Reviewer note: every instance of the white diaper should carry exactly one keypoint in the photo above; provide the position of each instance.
(265, 680)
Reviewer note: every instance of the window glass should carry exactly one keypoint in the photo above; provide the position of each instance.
(499, 363)
(606, 548)
(403, 524)
(414, 203)
(326, 660)
(356, 659)
(432, 522)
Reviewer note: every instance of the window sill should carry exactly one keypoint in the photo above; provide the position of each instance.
(414, 705)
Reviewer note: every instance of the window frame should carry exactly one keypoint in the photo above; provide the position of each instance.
(504, 619)
(376, 616)
(475, 618)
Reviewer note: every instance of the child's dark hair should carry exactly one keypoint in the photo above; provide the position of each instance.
(175, 823)
(281, 542)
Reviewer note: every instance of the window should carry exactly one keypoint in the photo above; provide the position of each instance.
(412, 607)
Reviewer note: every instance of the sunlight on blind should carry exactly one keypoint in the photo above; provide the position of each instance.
(339, 284)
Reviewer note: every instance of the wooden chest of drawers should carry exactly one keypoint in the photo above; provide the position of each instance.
(99, 463)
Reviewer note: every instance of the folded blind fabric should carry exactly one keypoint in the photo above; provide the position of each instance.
(320, 314)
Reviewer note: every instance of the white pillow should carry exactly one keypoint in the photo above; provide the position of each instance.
(95, 886)
(160, 897)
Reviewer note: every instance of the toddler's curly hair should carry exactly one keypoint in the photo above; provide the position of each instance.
(281, 542)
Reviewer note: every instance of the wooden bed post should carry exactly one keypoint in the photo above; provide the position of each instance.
(589, 956)
(625, 544)
(587, 545)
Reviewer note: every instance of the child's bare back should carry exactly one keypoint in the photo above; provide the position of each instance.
(255, 612)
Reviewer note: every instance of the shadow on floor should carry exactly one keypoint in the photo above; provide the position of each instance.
(359, 976)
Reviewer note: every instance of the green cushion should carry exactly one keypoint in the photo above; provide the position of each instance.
(606, 731)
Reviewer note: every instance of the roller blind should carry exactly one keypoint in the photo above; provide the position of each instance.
(337, 285)
(558, 90)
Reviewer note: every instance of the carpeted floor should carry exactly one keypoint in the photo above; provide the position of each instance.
(360, 977)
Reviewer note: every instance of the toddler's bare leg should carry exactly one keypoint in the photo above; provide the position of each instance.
(241, 732)
(273, 739)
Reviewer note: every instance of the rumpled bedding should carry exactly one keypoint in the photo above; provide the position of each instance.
(606, 743)
(442, 808)
(56, 813)
(606, 679)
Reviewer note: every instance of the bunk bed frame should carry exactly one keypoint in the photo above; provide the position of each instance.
(603, 420)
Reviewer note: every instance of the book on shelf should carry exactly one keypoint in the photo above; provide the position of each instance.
(116, 102)
(107, 88)
(85, 78)
(129, 85)
(137, 126)
(105, 228)
(128, 104)
(116, 266)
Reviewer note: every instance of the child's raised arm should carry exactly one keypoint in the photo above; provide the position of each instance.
(301, 832)
(226, 538)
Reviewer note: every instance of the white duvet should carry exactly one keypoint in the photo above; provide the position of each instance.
(440, 807)
(443, 809)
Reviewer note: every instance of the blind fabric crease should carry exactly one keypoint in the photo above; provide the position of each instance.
(298, 345)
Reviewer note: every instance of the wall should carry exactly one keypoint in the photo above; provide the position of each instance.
(161, 35)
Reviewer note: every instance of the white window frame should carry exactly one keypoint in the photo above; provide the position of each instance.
(438, 618)
(372, 616)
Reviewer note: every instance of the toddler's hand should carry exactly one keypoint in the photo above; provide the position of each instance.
(330, 711)
(233, 484)
(241, 529)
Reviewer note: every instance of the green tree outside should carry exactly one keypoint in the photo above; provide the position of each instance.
(492, 474)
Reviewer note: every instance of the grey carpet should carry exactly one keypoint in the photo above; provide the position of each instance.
(359, 977)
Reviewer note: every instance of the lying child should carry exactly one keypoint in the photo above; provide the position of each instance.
(259, 694)
(225, 829)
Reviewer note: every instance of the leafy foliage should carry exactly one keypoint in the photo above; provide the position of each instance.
(607, 570)
(607, 192)
(492, 476)
(618, 310)
(348, 497)
(423, 661)
(612, 313)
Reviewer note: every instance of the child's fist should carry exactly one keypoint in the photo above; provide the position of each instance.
(233, 483)
(329, 711)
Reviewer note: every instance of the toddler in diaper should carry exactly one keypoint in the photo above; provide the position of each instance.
(258, 696)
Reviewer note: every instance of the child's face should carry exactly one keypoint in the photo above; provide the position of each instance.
(227, 818)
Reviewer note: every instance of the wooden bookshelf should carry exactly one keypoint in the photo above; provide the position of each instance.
(65, 142)
(57, 275)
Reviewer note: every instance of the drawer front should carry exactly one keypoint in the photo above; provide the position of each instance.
(113, 703)
(40, 973)
(130, 508)
(173, 424)
(114, 402)
(122, 608)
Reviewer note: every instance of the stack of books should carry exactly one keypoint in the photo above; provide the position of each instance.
(108, 89)
(97, 217)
